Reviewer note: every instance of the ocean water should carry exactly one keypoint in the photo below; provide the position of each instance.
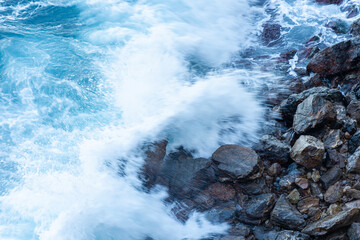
(83, 83)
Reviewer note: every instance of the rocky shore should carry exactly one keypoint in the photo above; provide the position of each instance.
(300, 181)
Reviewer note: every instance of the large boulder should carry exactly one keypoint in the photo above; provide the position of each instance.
(308, 151)
(286, 215)
(289, 106)
(235, 161)
(313, 112)
(332, 223)
(339, 58)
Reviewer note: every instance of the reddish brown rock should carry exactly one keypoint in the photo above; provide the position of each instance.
(222, 192)
(305, 204)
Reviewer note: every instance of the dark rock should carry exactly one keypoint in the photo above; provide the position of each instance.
(288, 107)
(286, 215)
(353, 204)
(288, 180)
(329, 1)
(155, 154)
(292, 235)
(331, 223)
(316, 190)
(352, 193)
(294, 196)
(235, 161)
(354, 142)
(331, 176)
(339, 58)
(336, 158)
(313, 112)
(301, 71)
(240, 230)
(306, 203)
(308, 151)
(353, 11)
(334, 139)
(204, 200)
(286, 56)
(308, 52)
(353, 164)
(354, 231)
(334, 193)
(270, 148)
(353, 110)
(271, 32)
(220, 191)
(222, 213)
(257, 209)
(355, 28)
(274, 170)
(255, 187)
(296, 85)
(303, 183)
(339, 26)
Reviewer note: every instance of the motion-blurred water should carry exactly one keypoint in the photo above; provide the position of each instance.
(84, 82)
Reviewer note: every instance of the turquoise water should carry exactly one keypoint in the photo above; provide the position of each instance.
(84, 82)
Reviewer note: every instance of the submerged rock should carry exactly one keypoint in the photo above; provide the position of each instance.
(308, 151)
(331, 223)
(313, 112)
(286, 215)
(235, 161)
(271, 32)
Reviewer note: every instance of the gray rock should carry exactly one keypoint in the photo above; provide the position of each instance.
(223, 213)
(308, 151)
(235, 161)
(353, 110)
(334, 139)
(355, 28)
(292, 235)
(331, 176)
(286, 215)
(334, 193)
(331, 223)
(354, 231)
(270, 148)
(354, 142)
(274, 169)
(313, 112)
(352, 193)
(316, 190)
(257, 209)
(255, 187)
(353, 164)
(288, 106)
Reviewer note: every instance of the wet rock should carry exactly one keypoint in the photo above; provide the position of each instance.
(339, 58)
(303, 183)
(255, 187)
(287, 181)
(308, 151)
(257, 209)
(220, 191)
(288, 107)
(272, 149)
(301, 71)
(222, 213)
(355, 28)
(334, 193)
(354, 142)
(274, 170)
(292, 235)
(306, 203)
(353, 164)
(286, 56)
(354, 231)
(352, 11)
(352, 193)
(338, 26)
(271, 32)
(331, 223)
(331, 176)
(329, 1)
(235, 161)
(353, 110)
(240, 229)
(286, 215)
(313, 112)
(294, 196)
(204, 200)
(334, 139)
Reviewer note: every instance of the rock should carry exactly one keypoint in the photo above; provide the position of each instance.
(287, 180)
(274, 170)
(303, 183)
(257, 209)
(353, 110)
(339, 58)
(288, 107)
(333, 209)
(338, 26)
(329, 1)
(255, 187)
(240, 229)
(315, 176)
(353, 164)
(334, 139)
(334, 193)
(316, 190)
(272, 149)
(352, 193)
(331, 223)
(354, 231)
(294, 196)
(308, 151)
(235, 161)
(353, 204)
(271, 32)
(286, 56)
(331, 176)
(220, 191)
(354, 142)
(314, 213)
(306, 203)
(292, 235)
(222, 213)
(204, 200)
(353, 11)
(301, 71)
(286, 215)
(355, 28)
(313, 112)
